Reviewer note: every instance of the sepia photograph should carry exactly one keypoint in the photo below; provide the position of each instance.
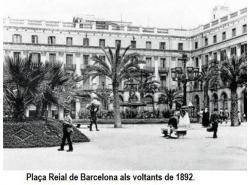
(124, 85)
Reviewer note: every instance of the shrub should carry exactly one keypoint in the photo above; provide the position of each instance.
(166, 113)
(36, 133)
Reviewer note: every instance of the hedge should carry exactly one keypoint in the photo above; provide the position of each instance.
(36, 133)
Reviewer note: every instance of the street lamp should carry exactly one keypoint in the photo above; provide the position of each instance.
(184, 75)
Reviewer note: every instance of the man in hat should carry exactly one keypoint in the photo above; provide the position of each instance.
(93, 108)
(67, 131)
(214, 119)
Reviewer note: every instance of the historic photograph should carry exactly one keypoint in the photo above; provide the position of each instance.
(125, 85)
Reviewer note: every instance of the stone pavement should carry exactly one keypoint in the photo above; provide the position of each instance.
(140, 147)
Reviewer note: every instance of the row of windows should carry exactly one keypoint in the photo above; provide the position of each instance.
(36, 57)
(149, 62)
(223, 54)
(224, 36)
(17, 38)
(69, 59)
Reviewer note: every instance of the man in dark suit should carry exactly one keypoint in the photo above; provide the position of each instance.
(205, 118)
(93, 116)
(214, 120)
(67, 131)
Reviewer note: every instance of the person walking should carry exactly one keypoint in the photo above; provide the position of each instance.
(205, 118)
(214, 120)
(67, 131)
(93, 115)
(200, 116)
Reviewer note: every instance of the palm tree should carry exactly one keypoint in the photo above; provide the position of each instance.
(148, 85)
(52, 87)
(21, 84)
(233, 72)
(172, 96)
(117, 67)
(103, 95)
(204, 77)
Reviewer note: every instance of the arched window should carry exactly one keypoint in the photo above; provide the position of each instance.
(214, 102)
(224, 101)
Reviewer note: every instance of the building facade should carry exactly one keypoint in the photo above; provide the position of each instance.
(74, 43)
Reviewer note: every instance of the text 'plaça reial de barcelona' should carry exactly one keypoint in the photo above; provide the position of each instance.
(100, 177)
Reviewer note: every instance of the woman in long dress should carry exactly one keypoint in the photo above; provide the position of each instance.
(205, 118)
(184, 121)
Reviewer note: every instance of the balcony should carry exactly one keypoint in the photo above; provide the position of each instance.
(71, 67)
(163, 69)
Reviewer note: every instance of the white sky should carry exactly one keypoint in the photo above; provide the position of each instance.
(155, 13)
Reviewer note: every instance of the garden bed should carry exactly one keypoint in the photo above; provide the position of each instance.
(36, 133)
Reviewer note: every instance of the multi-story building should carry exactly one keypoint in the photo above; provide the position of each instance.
(74, 43)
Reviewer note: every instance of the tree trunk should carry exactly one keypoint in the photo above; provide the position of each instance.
(234, 107)
(116, 105)
(19, 111)
(206, 99)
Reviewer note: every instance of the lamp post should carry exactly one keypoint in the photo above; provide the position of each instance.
(184, 75)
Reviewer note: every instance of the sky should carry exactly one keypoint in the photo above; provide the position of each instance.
(154, 13)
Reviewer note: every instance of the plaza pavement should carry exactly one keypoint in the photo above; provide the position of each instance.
(140, 147)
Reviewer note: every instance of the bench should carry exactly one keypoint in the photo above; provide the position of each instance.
(179, 132)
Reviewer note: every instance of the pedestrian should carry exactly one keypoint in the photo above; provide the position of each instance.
(214, 120)
(205, 118)
(93, 115)
(221, 114)
(226, 115)
(200, 116)
(172, 126)
(67, 131)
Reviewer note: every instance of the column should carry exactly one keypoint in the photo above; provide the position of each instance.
(25, 54)
(61, 58)
(156, 71)
(219, 55)
(238, 50)
(43, 57)
(78, 62)
(60, 113)
(78, 107)
(228, 52)
(210, 57)
(94, 26)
